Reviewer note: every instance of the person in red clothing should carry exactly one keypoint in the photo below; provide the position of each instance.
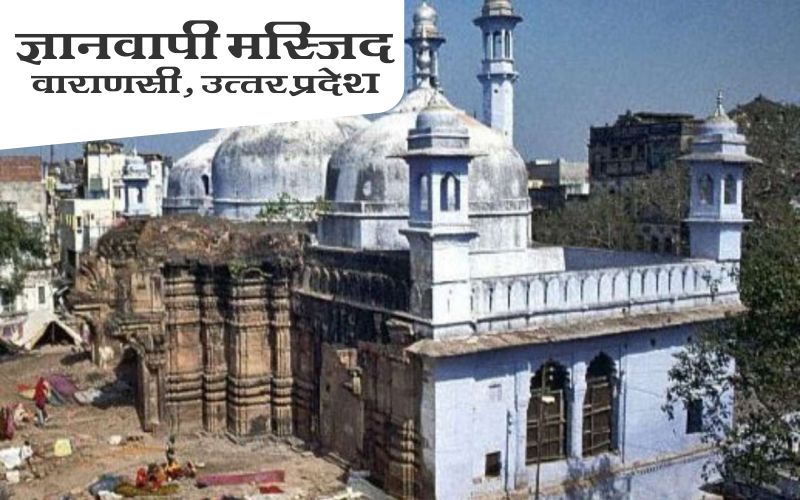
(40, 394)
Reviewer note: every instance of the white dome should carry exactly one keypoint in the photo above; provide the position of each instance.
(368, 175)
(189, 185)
(369, 168)
(258, 164)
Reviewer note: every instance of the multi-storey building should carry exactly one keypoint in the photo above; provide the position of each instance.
(637, 144)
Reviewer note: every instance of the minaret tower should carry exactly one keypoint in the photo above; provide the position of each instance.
(497, 23)
(439, 232)
(425, 41)
(717, 162)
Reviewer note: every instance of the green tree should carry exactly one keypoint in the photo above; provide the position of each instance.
(609, 220)
(288, 208)
(21, 248)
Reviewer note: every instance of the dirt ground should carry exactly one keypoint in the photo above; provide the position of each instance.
(89, 428)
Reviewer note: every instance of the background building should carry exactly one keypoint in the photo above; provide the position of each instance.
(81, 223)
(552, 182)
(22, 187)
(637, 144)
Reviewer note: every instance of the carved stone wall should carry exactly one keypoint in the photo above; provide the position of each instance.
(310, 344)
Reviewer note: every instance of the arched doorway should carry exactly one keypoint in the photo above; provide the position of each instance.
(547, 416)
(598, 407)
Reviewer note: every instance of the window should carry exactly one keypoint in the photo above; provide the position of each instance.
(449, 194)
(730, 190)
(627, 152)
(424, 193)
(79, 223)
(598, 406)
(206, 185)
(117, 193)
(669, 247)
(694, 416)
(493, 464)
(42, 297)
(614, 152)
(508, 45)
(546, 439)
(498, 45)
(139, 195)
(706, 186)
(496, 393)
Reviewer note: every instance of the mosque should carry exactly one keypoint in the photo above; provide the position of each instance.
(419, 334)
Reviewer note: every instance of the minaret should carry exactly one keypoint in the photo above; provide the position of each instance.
(439, 232)
(717, 161)
(497, 23)
(425, 41)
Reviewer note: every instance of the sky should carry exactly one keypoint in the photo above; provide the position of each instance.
(583, 62)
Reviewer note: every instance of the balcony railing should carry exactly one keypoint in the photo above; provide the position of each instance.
(552, 297)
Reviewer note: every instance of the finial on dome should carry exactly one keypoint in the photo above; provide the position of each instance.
(425, 21)
(424, 41)
(720, 111)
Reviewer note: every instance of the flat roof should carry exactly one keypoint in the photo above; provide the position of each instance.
(574, 330)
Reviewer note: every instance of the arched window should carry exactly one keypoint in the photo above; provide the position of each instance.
(450, 194)
(497, 45)
(424, 192)
(546, 438)
(706, 189)
(139, 195)
(206, 185)
(730, 190)
(598, 406)
(508, 45)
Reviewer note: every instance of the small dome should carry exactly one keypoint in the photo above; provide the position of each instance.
(425, 14)
(497, 7)
(719, 122)
(135, 166)
(259, 164)
(439, 113)
(425, 22)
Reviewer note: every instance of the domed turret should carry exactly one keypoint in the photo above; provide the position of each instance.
(716, 165)
(260, 164)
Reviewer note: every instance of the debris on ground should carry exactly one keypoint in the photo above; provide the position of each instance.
(267, 476)
(105, 395)
(106, 482)
(12, 476)
(108, 446)
(11, 458)
(62, 448)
